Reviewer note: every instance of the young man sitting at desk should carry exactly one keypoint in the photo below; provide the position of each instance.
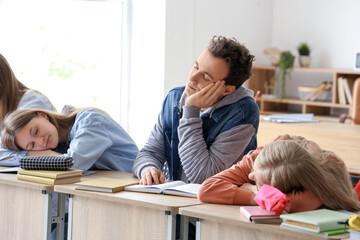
(208, 125)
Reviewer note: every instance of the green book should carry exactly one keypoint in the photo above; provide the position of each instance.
(321, 220)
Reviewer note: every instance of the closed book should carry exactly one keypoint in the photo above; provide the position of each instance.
(258, 214)
(105, 184)
(179, 188)
(341, 91)
(320, 220)
(48, 181)
(324, 233)
(347, 90)
(51, 174)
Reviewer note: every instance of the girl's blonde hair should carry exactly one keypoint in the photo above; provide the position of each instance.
(288, 166)
(16, 120)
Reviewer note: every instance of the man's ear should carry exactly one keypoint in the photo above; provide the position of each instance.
(229, 89)
(42, 114)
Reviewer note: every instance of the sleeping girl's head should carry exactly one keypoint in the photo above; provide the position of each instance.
(284, 165)
(29, 129)
(291, 167)
(35, 129)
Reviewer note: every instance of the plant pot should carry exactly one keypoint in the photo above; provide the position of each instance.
(304, 61)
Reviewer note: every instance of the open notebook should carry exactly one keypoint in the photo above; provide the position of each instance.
(179, 188)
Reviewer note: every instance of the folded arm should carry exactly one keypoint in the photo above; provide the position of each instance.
(231, 186)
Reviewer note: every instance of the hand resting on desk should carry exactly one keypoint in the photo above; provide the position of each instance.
(152, 175)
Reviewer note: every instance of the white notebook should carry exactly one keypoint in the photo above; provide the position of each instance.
(179, 188)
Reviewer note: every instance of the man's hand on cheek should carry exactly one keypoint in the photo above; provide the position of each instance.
(207, 96)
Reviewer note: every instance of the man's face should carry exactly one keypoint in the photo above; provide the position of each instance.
(206, 69)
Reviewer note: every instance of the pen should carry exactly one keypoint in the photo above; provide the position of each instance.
(257, 95)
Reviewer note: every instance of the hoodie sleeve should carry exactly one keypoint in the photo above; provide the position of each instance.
(152, 154)
(227, 148)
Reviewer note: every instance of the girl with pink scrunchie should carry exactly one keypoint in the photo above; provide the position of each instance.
(296, 174)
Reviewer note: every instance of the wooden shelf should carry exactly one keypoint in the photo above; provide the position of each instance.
(323, 110)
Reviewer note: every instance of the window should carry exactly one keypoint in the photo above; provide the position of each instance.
(72, 51)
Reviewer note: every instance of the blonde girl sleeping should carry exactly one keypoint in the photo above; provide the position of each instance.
(311, 178)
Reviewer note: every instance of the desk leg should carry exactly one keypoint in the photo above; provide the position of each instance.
(70, 218)
(184, 227)
(60, 218)
(47, 214)
(198, 229)
(171, 225)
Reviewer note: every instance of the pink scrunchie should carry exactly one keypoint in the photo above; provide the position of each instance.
(272, 199)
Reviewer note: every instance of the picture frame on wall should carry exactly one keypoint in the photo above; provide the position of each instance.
(357, 61)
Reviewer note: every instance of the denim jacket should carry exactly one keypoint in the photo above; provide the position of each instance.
(196, 146)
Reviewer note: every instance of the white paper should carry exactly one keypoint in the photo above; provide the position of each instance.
(9, 170)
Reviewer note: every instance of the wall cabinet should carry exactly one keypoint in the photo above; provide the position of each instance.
(331, 110)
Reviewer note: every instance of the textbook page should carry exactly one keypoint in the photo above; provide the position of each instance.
(186, 190)
(158, 188)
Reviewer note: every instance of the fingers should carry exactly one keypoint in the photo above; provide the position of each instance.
(151, 176)
(207, 96)
(212, 92)
(146, 179)
(213, 89)
(155, 176)
(162, 178)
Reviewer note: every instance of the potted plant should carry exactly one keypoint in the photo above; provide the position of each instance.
(286, 62)
(304, 54)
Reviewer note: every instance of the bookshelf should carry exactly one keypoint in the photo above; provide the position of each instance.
(322, 110)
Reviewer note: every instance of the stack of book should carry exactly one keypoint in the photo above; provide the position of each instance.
(50, 177)
(322, 221)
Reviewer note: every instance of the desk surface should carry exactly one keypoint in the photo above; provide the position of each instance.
(343, 139)
(225, 215)
(10, 179)
(154, 201)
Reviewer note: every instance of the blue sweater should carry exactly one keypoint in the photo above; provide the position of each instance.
(97, 141)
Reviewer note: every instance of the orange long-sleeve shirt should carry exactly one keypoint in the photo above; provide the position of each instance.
(224, 187)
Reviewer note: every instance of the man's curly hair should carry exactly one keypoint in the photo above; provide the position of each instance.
(236, 55)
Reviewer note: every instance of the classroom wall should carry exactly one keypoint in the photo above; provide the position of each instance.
(191, 23)
(147, 67)
(329, 26)
(168, 35)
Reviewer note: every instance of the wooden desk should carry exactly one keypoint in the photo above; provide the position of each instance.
(218, 221)
(343, 139)
(26, 209)
(122, 215)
